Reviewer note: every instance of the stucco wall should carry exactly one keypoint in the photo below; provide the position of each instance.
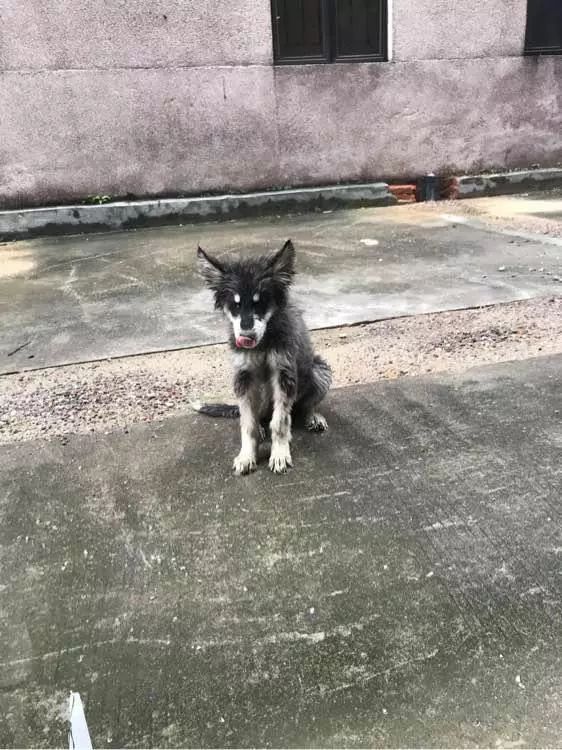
(108, 34)
(449, 29)
(150, 97)
(411, 118)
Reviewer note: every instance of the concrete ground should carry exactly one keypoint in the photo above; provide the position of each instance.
(68, 299)
(400, 587)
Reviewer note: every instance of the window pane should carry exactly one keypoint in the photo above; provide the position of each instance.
(360, 28)
(544, 25)
(297, 27)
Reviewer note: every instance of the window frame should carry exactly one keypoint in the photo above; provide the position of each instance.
(541, 49)
(329, 39)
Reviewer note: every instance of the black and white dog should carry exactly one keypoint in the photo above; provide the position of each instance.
(277, 376)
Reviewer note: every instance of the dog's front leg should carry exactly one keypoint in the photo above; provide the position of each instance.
(284, 389)
(246, 460)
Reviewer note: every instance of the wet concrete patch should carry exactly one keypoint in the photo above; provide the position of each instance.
(84, 298)
(400, 587)
(556, 215)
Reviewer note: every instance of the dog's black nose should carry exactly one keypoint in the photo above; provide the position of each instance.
(247, 323)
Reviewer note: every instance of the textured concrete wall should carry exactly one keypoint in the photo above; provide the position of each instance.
(355, 121)
(69, 34)
(448, 29)
(151, 97)
(144, 132)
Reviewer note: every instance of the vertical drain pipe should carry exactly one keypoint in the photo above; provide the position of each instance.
(428, 188)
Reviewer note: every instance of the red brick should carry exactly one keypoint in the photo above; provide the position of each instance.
(451, 191)
(405, 193)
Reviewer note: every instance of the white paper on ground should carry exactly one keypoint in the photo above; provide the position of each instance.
(78, 735)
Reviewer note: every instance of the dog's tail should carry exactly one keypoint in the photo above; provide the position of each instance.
(228, 411)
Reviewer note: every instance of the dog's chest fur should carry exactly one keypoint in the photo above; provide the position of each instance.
(258, 364)
(246, 359)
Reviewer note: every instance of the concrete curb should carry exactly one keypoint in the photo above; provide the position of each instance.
(78, 219)
(503, 183)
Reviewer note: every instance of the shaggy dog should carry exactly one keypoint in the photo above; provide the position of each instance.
(277, 376)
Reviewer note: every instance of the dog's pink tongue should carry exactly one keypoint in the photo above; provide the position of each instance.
(245, 342)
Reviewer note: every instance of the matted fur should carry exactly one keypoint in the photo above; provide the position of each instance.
(279, 378)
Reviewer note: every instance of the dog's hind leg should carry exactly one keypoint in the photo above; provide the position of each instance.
(246, 460)
(320, 382)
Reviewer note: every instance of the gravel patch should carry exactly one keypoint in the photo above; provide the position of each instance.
(115, 394)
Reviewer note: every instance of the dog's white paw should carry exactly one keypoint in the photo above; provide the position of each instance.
(244, 463)
(316, 423)
(280, 459)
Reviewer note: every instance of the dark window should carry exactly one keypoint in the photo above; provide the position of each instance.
(544, 27)
(329, 30)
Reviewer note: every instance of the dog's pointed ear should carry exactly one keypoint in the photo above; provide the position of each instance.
(282, 264)
(210, 268)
